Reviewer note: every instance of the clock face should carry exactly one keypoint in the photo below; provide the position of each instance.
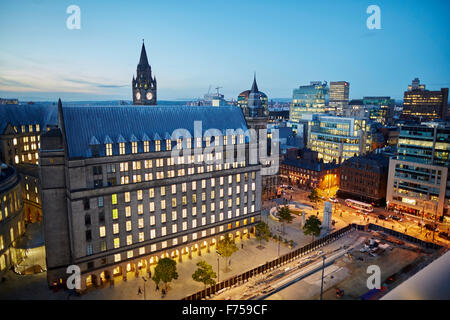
(138, 95)
(149, 96)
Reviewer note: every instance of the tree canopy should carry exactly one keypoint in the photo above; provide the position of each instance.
(285, 216)
(204, 274)
(312, 226)
(314, 196)
(226, 247)
(262, 232)
(165, 271)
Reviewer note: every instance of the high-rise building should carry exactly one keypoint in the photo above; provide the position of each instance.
(418, 181)
(308, 99)
(144, 86)
(120, 190)
(422, 105)
(380, 109)
(337, 138)
(339, 96)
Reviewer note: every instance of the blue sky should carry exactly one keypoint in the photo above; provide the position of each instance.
(193, 44)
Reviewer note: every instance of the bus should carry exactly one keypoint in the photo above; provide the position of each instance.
(358, 205)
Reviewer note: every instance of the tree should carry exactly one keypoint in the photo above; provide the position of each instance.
(285, 216)
(314, 196)
(226, 248)
(262, 232)
(312, 226)
(165, 271)
(204, 274)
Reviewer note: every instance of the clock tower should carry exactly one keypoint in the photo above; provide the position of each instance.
(144, 86)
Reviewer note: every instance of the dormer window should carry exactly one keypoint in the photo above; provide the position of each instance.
(157, 145)
(122, 148)
(168, 144)
(134, 147)
(146, 146)
(108, 149)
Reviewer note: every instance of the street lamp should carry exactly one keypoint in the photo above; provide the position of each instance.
(323, 271)
(145, 280)
(218, 269)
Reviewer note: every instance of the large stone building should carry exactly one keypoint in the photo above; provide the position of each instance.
(364, 178)
(419, 183)
(11, 217)
(309, 172)
(116, 199)
(20, 130)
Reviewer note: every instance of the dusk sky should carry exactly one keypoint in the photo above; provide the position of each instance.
(192, 44)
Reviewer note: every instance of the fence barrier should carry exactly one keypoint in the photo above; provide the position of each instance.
(270, 265)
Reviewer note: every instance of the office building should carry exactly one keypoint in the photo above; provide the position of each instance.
(364, 178)
(308, 99)
(339, 96)
(116, 198)
(422, 105)
(337, 138)
(418, 181)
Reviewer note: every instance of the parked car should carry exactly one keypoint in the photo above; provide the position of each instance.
(431, 227)
(444, 235)
(397, 218)
(332, 199)
(382, 217)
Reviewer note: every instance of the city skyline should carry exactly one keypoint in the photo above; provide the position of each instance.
(43, 57)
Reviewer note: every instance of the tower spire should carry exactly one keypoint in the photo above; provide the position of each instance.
(254, 85)
(143, 61)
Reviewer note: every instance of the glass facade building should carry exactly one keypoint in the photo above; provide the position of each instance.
(337, 138)
(308, 99)
(418, 176)
(339, 95)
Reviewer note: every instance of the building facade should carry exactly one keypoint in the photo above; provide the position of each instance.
(337, 138)
(422, 105)
(365, 178)
(309, 174)
(418, 181)
(339, 96)
(20, 130)
(308, 99)
(116, 199)
(11, 217)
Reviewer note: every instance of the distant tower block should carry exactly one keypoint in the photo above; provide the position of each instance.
(327, 212)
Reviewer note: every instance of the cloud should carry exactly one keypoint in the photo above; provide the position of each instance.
(95, 84)
(13, 83)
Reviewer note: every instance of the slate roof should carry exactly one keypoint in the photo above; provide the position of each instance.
(114, 124)
(18, 115)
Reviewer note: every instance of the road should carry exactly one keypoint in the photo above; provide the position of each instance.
(344, 215)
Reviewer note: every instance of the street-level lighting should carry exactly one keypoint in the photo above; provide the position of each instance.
(323, 271)
(145, 280)
(218, 269)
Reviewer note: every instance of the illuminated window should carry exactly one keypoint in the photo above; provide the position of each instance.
(116, 243)
(146, 146)
(109, 149)
(122, 148)
(102, 231)
(115, 214)
(134, 147)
